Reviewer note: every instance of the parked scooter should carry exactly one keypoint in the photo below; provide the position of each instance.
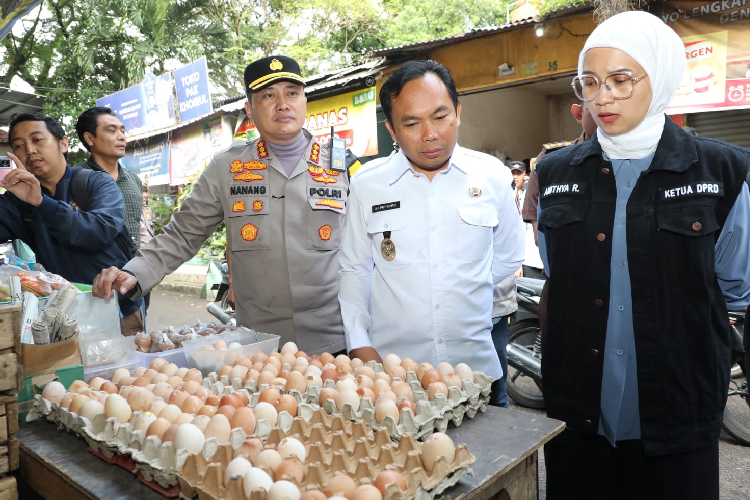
(220, 308)
(524, 350)
(736, 421)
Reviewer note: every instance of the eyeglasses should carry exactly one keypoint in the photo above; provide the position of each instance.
(618, 85)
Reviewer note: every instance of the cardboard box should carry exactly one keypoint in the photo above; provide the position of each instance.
(33, 384)
(41, 358)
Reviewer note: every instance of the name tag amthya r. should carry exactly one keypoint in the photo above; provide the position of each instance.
(564, 188)
(693, 189)
(386, 206)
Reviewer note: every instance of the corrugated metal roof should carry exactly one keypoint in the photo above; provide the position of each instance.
(14, 101)
(479, 32)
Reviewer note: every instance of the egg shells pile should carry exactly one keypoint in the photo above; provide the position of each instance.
(343, 459)
(292, 370)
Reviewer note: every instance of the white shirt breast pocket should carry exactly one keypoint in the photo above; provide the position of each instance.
(388, 233)
(472, 228)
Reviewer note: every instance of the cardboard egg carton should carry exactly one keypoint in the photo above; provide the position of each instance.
(334, 445)
(431, 415)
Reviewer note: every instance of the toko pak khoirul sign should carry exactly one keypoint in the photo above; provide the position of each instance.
(193, 96)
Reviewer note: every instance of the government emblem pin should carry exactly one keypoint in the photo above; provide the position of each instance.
(387, 247)
(475, 191)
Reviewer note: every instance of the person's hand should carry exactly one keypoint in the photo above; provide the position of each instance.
(365, 354)
(23, 184)
(519, 273)
(230, 295)
(112, 278)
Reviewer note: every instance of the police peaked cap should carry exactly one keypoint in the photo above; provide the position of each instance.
(264, 72)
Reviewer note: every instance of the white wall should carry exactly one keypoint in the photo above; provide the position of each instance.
(514, 123)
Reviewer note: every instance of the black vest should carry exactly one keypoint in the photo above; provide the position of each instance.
(674, 217)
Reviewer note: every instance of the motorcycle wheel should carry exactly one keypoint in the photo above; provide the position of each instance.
(523, 389)
(225, 303)
(736, 421)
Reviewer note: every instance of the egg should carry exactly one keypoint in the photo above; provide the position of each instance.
(366, 371)
(283, 490)
(407, 403)
(436, 388)
(291, 467)
(385, 408)
(139, 371)
(184, 418)
(452, 380)
(54, 392)
(256, 479)
(120, 373)
(391, 360)
(116, 406)
(409, 364)
(397, 372)
(269, 458)
(192, 404)
(249, 448)
(269, 395)
(90, 409)
(366, 393)
(389, 477)
(125, 391)
(367, 492)
(290, 447)
(178, 397)
(348, 398)
(380, 386)
(157, 364)
(181, 371)
(143, 422)
(437, 445)
(67, 399)
(289, 348)
(328, 374)
(340, 484)
(170, 412)
(288, 359)
(170, 433)
(266, 411)
(208, 410)
(190, 387)
(288, 404)
(316, 494)
(265, 378)
(150, 374)
(219, 428)
(209, 347)
(238, 371)
(159, 378)
(220, 344)
(202, 393)
(383, 376)
(236, 468)
(227, 410)
(326, 394)
(190, 438)
(356, 363)
(234, 345)
(169, 369)
(140, 399)
(141, 382)
(387, 395)
(402, 389)
(96, 383)
(244, 418)
(193, 375)
(125, 381)
(109, 388)
(429, 377)
(463, 371)
(213, 400)
(158, 427)
(296, 381)
(174, 381)
(364, 381)
(162, 390)
(313, 370)
(157, 406)
(201, 421)
(326, 357)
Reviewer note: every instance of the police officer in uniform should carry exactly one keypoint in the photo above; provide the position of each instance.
(284, 207)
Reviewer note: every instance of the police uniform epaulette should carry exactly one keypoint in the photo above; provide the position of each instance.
(554, 146)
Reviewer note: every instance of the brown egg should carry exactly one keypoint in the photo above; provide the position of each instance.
(295, 381)
(231, 399)
(385, 408)
(225, 371)
(170, 433)
(78, 400)
(159, 378)
(430, 376)
(386, 396)
(184, 418)
(178, 397)
(259, 357)
(327, 393)
(366, 371)
(245, 362)
(409, 365)
(190, 387)
(291, 467)
(407, 403)
(227, 411)
(367, 492)
(140, 399)
(274, 364)
(270, 367)
(342, 371)
(379, 386)
(366, 392)
(67, 399)
(239, 371)
(249, 449)
(193, 374)
(181, 372)
(402, 389)
(158, 427)
(170, 369)
(453, 380)
(96, 383)
(126, 381)
(341, 359)
(209, 347)
(313, 495)
(119, 373)
(170, 412)
(150, 374)
(243, 396)
(202, 393)
(220, 344)
(388, 477)
(265, 378)
(77, 385)
(287, 403)
(208, 410)
(244, 418)
(340, 485)
(269, 395)
(437, 388)
(252, 374)
(219, 428)
(364, 381)
(284, 373)
(109, 388)
(174, 381)
(326, 358)
(125, 391)
(157, 364)
(289, 358)
(192, 405)
(300, 354)
(424, 368)
(397, 372)
(213, 400)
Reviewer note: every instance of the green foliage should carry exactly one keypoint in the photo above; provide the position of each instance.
(548, 6)
(162, 211)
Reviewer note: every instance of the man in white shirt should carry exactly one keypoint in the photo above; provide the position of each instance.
(429, 234)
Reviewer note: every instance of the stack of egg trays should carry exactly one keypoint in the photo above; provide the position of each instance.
(333, 444)
(432, 415)
(157, 462)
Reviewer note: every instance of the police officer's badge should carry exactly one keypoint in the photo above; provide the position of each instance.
(387, 247)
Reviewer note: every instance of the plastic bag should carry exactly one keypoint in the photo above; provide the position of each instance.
(104, 351)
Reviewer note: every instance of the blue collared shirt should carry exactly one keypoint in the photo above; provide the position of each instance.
(620, 415)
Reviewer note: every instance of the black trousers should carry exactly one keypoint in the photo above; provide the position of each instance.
(589, 468)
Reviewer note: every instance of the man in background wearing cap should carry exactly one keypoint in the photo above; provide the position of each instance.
(284, 208)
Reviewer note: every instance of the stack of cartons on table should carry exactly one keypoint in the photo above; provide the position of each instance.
(11, 378)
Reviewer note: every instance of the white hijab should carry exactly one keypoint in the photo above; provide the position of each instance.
(661, 53)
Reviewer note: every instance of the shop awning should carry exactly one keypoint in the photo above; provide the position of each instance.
(13, 102)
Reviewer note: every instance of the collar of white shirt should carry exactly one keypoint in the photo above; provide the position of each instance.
(401, 163)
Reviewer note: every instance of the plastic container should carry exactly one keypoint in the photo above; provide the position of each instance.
(106, 371)
(208, 361)
(176, 356)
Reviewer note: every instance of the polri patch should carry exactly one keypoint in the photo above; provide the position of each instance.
(386, 206)
(693, 189)
(564, 188)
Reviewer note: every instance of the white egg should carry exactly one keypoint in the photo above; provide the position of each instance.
(292, 448)
(256, 479)
(348, 397)
(116, 406)
(233, 345)
(54, 392)
(313, 370)
(236, 468)
(289, 347)
(190, 438)
(346, 384)
(266, 411)
(142, 423)
(391, 360)
(91, 409)
(283, 490)
(463, 371)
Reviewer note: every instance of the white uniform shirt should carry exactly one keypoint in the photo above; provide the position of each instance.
(433, 301)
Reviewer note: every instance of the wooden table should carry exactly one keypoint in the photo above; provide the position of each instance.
(58, 465)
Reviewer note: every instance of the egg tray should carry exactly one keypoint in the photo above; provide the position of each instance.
(333, 445)
(431, 415)
(157, 462)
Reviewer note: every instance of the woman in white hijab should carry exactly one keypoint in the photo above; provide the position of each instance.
(646, 235)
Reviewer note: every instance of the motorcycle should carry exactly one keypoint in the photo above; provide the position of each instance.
(736, 420)
(220, 308)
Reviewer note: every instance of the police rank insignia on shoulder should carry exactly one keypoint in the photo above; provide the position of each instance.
(554, 146)
(315, 171)
(315, 152)
(262, 149)
(235, 167)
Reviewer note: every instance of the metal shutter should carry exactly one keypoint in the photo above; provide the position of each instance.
(732, 126)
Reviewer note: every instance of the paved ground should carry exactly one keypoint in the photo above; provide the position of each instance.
(170, 308)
